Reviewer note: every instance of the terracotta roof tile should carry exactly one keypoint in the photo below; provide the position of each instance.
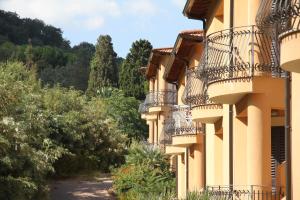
(196, 32)
(165, 50)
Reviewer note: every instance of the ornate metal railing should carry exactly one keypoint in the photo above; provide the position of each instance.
(279, 15)
(194, 90)
(161, 98)
(179, 123)
(242, 192)
(237, 53)
(143, 108)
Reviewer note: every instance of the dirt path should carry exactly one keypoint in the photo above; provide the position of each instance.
(74, 189)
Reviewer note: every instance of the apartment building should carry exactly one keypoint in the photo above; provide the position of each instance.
(233, 127)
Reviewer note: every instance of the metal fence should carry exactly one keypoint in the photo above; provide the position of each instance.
(143, 108)
(194, 91)
(280, 15)
(179, 123)
(237, 53)
(161, 98)
(242, 193)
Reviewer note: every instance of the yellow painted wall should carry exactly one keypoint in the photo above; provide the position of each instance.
(195, 55)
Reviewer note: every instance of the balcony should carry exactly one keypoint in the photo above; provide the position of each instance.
(180, 128)
(158, 101)
(237, 62)
(203, 109)
(281, 18)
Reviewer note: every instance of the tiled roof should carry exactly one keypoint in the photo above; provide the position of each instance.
(196, 32)
(165, 50)
(197, 9)
(155, 59)
(181, 50)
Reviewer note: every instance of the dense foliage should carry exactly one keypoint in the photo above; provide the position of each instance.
(132, 81)
(48, 125)
(104, 68)
(43, 47)
(44, 129)
(18, 31)
(146, 173)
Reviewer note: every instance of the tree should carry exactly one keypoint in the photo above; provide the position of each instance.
(124, 110)
(131, 80)
(104, 72)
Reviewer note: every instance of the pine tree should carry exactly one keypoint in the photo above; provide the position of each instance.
(132, 82)
(104, 70)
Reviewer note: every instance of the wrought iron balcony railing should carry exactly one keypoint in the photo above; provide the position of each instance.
(237, 53)
(161, 98)
(242, 192)
(143, 108)
(195, 90)
(279, 15)
(179, 123)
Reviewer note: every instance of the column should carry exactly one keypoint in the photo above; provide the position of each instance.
(161, 127)
(196, 168)
(155, 131)
(210, 154)
(259, 141)
(295, 138)
(181, 177)
(151, 134)
(225, 146)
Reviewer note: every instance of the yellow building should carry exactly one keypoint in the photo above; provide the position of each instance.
(233, 126)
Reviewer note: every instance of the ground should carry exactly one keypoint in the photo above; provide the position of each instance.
(81, 189)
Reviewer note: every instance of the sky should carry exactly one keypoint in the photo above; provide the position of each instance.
(126, 21)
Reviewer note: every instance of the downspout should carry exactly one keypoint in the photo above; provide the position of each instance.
(204, 129)
(187, 170)
(231, 106)
(288, 134)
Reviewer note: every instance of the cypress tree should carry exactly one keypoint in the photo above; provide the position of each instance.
(132, 82)
(104, 71)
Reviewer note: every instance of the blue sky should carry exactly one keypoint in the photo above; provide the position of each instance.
(158, 21)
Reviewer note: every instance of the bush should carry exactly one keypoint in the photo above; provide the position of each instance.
(145, 173)
(43, 130)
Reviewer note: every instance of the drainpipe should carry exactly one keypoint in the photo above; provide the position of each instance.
(204, 125)
(231, 106)
(288, 134)
(176, 174)
(204, 153)
(187, 169)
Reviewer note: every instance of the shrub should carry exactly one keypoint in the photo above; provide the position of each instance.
(144, 174)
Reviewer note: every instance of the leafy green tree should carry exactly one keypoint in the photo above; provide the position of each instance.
(131, 80)
(27, 153)
(124, 110)
(18, 31)
(78, 71)
(46, 130)
(104, 72)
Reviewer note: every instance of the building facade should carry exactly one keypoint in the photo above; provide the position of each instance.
(231, 128)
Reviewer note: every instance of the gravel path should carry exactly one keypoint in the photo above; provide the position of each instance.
(81, 189)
